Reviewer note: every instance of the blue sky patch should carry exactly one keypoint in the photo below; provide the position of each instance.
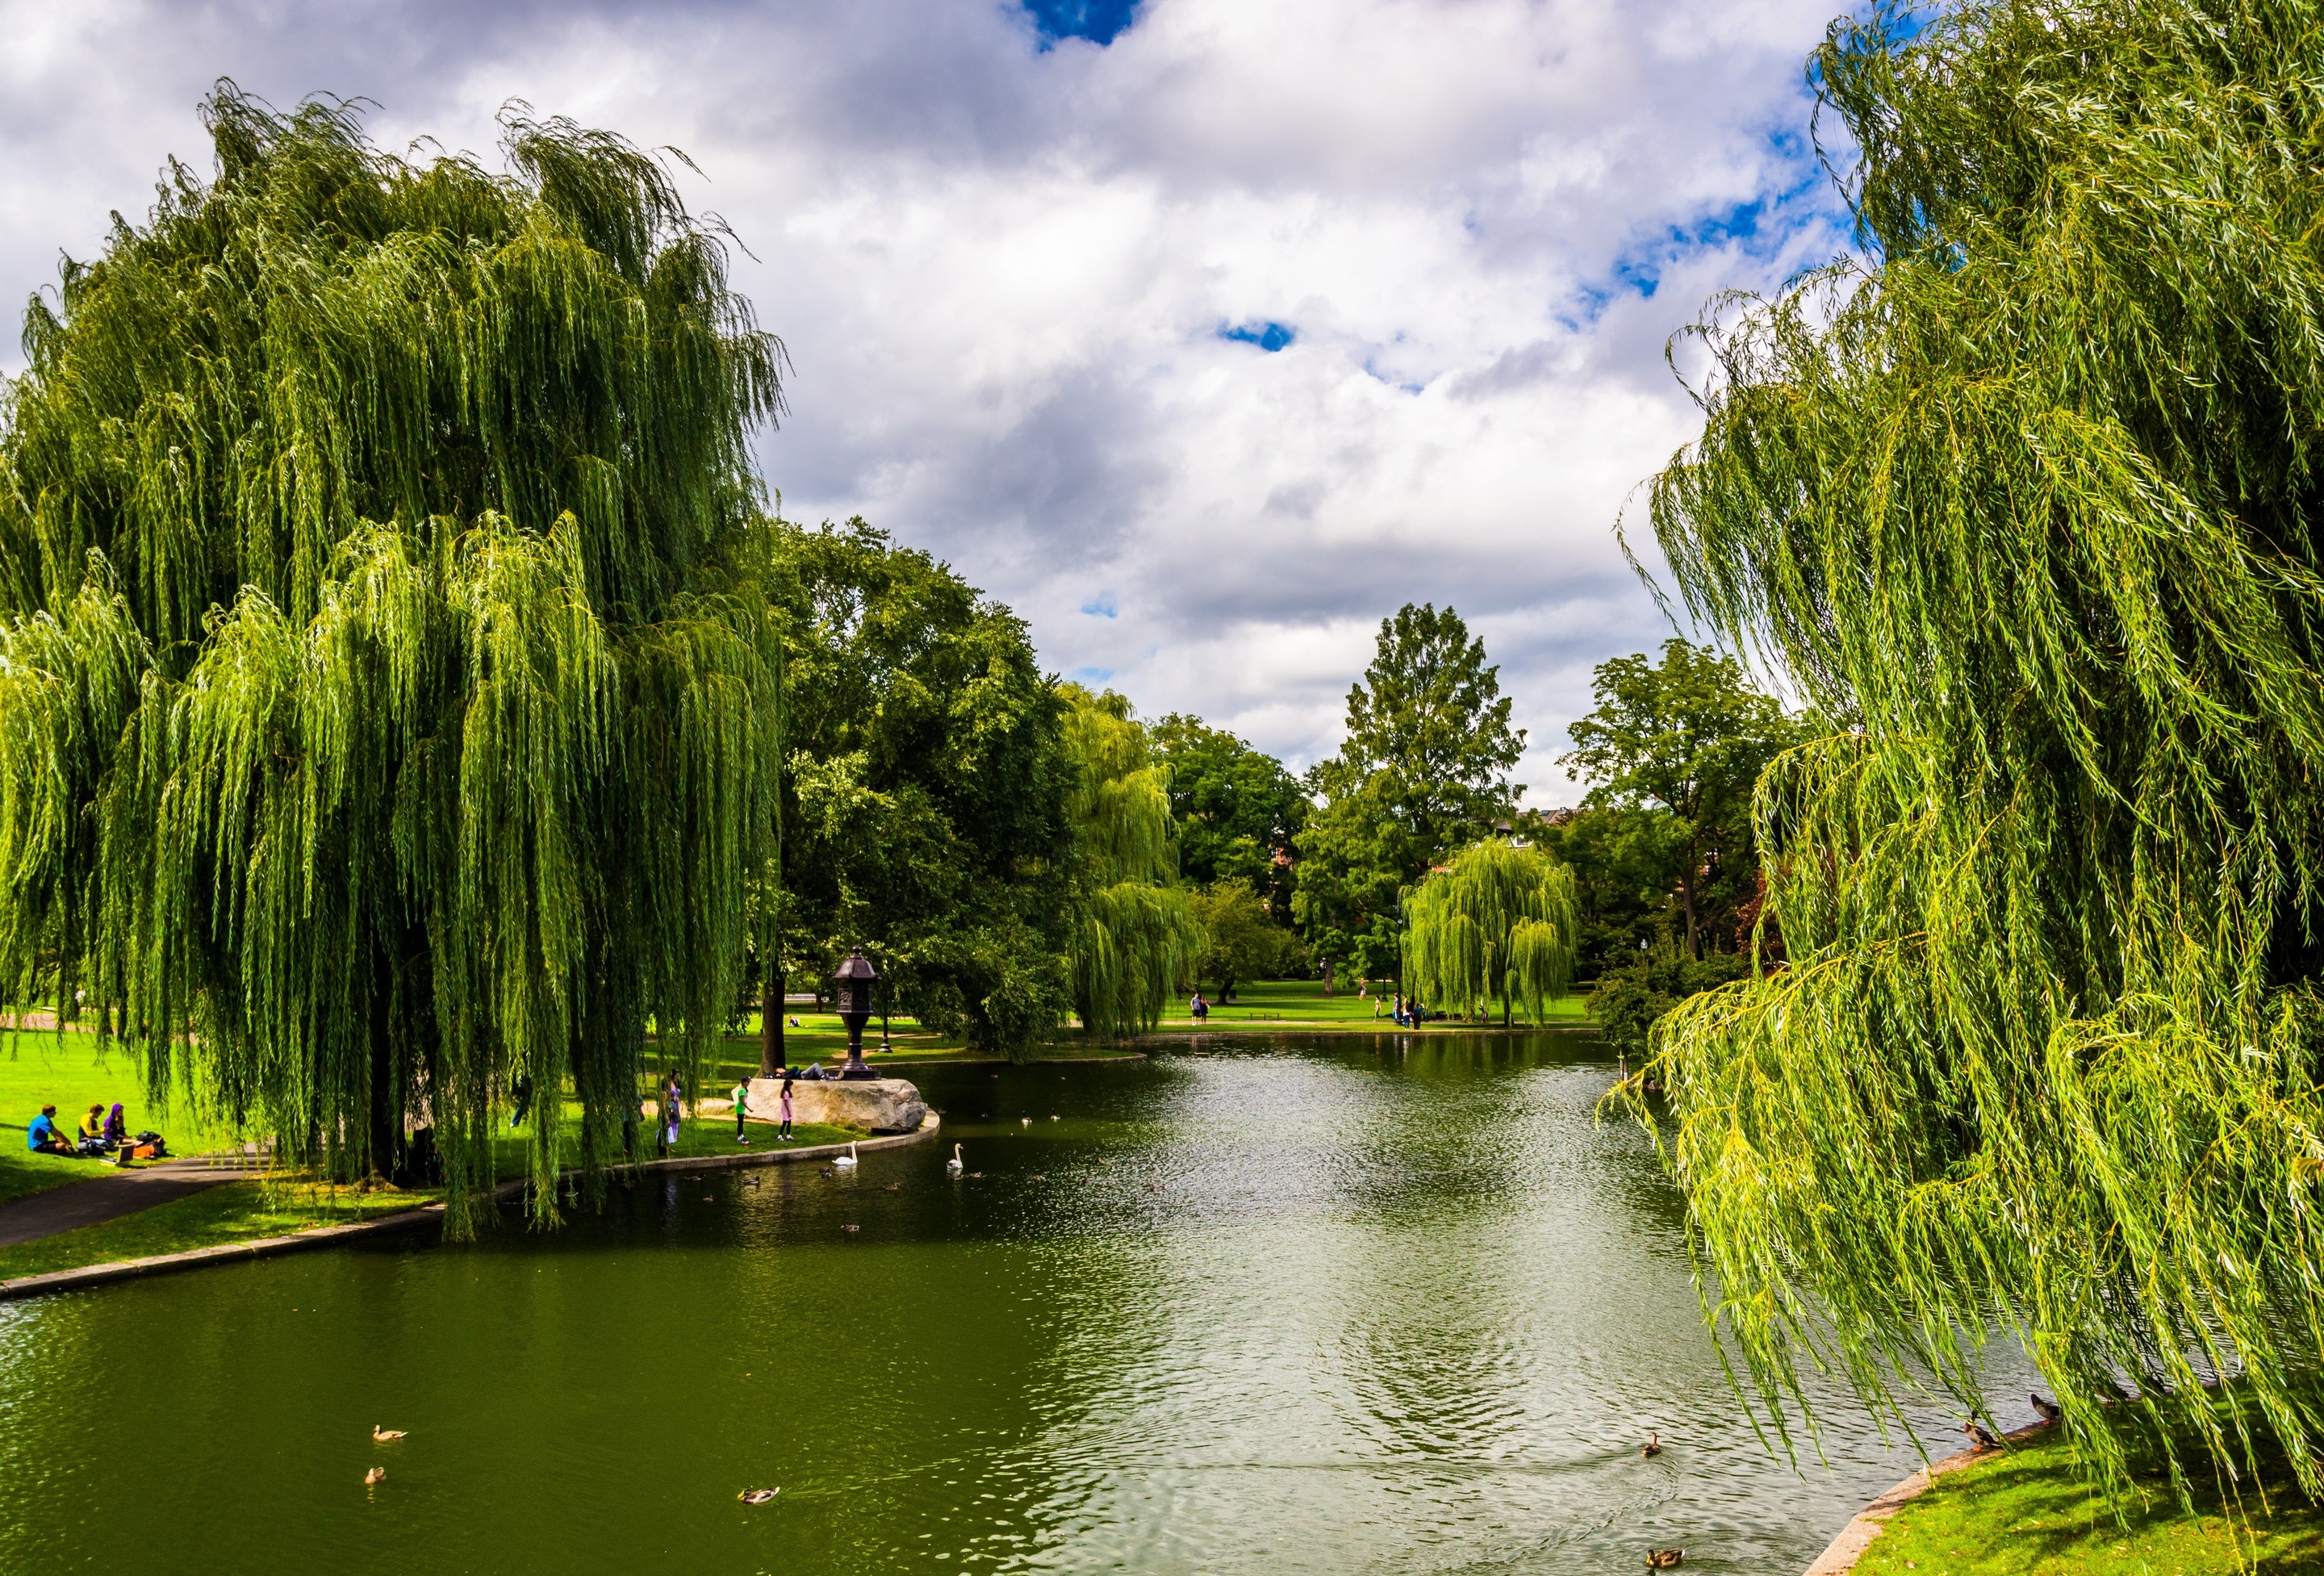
(1101, 605)
(1268, 336)
(1091, 674)
(1098, 21)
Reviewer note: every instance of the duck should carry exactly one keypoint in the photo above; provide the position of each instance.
(955, 1164)
(2050, 1410)
(825, 1171)
(1664, 1559)
(851, 1230)
(757, 1496)
(376, 1475)
(895, 1187)
(384, 1435)
(1654, 1445)
(846, 1162)
(750, 1182)
(1978, 1437)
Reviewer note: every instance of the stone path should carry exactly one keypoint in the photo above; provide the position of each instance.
(108, 1196)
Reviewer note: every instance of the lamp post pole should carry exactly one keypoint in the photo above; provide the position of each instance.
(855, 978)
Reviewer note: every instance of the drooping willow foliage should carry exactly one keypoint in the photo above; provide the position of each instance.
(2035, 497)
(388, 684)
(1499, 921)
(1135, 939)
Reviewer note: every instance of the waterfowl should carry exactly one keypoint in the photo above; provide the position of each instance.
(851, 1230)
(2050, 1410)
(1654, 1445)
(384, 1435)
(757, 1496)
(1664, 1559)
(376, 1475)
(750, 1182)
(846, 1162)
(825, 1171)
(955, 1164)
(974, 1175)
(1978, 1436)
(895, 1187)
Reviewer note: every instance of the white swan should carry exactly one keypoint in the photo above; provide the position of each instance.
(846, 1162)
(953, 1165)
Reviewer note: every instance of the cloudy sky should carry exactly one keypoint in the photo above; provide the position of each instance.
(1204, 333)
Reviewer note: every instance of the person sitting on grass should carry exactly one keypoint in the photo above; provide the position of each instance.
(117, 1127)
(92, 1127)
(43, 1137)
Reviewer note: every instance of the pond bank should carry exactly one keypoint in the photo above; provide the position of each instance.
(429, 1214)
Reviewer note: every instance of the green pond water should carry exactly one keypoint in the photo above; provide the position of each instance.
(1345, 1305)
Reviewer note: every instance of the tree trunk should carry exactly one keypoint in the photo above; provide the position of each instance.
(1327, 976)
(770, 1023)
(383, 1127)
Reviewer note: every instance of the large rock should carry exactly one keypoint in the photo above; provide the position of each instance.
(880, 1105)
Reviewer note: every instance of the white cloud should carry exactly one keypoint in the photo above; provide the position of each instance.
(1001, 272)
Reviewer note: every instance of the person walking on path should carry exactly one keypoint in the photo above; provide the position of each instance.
(741, 1109)
(785, 1131)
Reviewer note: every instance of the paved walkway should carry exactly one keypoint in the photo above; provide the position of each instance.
(108, 1196)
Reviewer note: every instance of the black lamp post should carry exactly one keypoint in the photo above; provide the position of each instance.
(854, 979)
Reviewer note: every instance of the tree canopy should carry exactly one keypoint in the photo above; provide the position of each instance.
(387, 663)
(1497, 921)
(1135, 939)
(1688, 737)
(1236, 809)
(1425, 770)
(926, 788)
(2032, 492)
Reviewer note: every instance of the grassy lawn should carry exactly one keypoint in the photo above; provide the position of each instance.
(1301, 1003)
(2030, 1511)
(232, 1211)
(41, 1068)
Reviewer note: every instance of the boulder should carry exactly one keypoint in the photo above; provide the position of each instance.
(879, 1105)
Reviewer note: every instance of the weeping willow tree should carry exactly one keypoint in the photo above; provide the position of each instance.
(1135, 939)
(1499, 921)
(389, 688)
(2033, 497)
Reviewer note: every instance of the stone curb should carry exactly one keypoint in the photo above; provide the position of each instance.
(1840, 1556)
(92, 1275)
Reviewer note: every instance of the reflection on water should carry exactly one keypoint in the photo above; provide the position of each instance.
(1330, 1305)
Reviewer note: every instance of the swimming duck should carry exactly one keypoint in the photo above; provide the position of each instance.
(2050, 1410)
(955, 1164)
(825, 1171)
(1664, 1559)
(851, 1230)
(757, 1496)
(384, 1435)
(1978, 1437)
(846, 1162)
(895, 1187)
(377, 1474)
(750, 1182)
(1654, 1445)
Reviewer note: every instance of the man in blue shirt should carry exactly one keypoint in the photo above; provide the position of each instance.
(43, 1137)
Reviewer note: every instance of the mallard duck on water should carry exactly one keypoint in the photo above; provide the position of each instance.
(757, 1496)
(384, 1435)
(1664, 1559)
(1654, 1445)
(376, 1475)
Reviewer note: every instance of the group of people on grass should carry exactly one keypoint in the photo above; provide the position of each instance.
(102, 1132)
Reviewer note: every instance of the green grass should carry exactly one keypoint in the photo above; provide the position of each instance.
(2031, 1512)
(72, 1071)
(232, 1211)
(1302, 1004)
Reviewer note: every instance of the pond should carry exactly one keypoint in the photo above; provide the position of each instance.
(1339, 1305)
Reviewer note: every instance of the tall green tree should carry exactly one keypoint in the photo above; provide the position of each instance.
(2033, 492)
(926, 794)
(1686, 736)
(1425, 770)
(1135, 940)
(1499, 921)
(1237, 810)
(387, 657)
(1241, 940)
